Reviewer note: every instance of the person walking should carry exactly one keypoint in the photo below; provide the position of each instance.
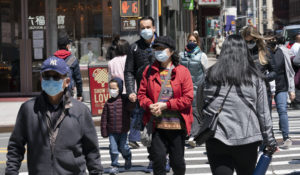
(219, 42)
(138, 57)
(116, 66)
(166, 95)
(64, 46)
(112, 49)
(196, 61)
(55, 130)
(115, 123)
(285, 86)
(245, 119)
(262, 57)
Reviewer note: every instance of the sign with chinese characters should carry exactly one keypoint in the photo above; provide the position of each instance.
(209, 2)
(39, 22)
(188, 4)
(129, 8)
(98, 76)
(128, 24)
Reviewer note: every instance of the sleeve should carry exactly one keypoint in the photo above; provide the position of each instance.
(185, 101)
(271, 66)
(129, 71)
(104, 121)
(16, 144)
(204, 60)
(90, 146)
(77, 78)
(144, 100)
(263, 115)
(296, 60)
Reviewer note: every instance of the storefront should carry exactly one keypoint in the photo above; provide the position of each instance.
(28, 35)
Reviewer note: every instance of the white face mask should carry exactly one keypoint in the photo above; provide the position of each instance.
(161, 55)
(147, 34)
(114, 92)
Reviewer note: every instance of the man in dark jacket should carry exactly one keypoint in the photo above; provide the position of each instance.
(64, 45)
(57, 130)
(138, 57)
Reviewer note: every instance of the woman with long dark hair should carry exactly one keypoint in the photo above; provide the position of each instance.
(166, 95)
(245, 119)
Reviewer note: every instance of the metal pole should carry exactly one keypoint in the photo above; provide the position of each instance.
(154, 11)
(254, 12)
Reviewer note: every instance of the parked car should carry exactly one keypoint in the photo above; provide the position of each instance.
(289, 32)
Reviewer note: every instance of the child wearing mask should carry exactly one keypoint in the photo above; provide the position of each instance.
(115, 123)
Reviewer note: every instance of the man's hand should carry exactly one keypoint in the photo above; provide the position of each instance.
(132, 97)
(292, 96)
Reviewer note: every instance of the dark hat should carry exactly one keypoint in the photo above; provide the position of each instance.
(164, 41)
(63, 39)
(55, 64)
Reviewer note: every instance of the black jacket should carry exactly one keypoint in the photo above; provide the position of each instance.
(269, 69)
(75, 147)
(281, 80)
(138, 57)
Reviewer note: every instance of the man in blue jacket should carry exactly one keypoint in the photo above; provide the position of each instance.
(57, 130)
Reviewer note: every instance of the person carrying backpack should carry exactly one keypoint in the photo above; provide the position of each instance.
(64, 45)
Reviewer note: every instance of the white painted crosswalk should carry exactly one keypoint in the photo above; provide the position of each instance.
(286, 161)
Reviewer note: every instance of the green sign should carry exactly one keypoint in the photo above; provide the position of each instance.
(188, 4)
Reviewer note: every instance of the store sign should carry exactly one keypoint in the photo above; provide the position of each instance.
(128, 24)
(188, 4)
(209, 2)
(98, 88)
(39, 22)
(129, 8)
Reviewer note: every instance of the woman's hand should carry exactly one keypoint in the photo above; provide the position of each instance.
(157, 108)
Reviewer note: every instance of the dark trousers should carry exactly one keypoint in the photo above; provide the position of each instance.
(224, 159)
(172, 142)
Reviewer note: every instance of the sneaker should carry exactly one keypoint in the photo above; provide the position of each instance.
(287, 143)
(114, 170)
(149, 168)
(168, 168)
(128, 164)
(134, 145)
(191, 142)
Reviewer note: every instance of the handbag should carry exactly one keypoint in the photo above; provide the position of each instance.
(146, 134)
(209, 127)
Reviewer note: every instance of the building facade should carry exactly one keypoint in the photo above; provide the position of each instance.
(29, 30)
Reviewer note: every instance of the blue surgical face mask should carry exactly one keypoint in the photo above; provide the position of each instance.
(161, 55)
(147, 34)
(52, 87)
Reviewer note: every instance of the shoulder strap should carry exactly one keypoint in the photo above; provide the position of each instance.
(221, 107)
(214, 96)
(242, 97)
(71, 60)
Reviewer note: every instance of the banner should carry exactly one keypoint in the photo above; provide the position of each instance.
(209, 2)
(188, 4)
(98, 76)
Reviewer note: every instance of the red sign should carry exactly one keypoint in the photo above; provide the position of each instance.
(129, 8)
(98, 88)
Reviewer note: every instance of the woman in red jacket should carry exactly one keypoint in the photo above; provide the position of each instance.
(172, 114)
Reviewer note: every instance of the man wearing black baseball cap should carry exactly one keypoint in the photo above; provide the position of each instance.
(57, 130)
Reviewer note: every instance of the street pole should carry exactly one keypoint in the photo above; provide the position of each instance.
(154, 11)
(254, 13)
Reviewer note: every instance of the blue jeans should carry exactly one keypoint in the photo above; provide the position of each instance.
(281, 105)
(118, 143)
(136, 124)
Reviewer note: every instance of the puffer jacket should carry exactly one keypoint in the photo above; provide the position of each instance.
(194, 63)
(116, 113)
(139, 56)
(238, 124)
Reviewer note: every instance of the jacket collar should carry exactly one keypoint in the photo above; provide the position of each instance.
(156, 66)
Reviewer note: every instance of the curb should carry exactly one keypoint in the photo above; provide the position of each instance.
(10, 128)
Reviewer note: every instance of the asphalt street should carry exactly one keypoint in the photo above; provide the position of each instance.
(286, 161)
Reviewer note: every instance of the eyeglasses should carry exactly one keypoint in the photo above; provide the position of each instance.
(55, 77)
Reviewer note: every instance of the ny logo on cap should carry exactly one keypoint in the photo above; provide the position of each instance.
(53, 62)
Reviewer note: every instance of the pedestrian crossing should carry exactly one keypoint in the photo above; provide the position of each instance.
(286, 161)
